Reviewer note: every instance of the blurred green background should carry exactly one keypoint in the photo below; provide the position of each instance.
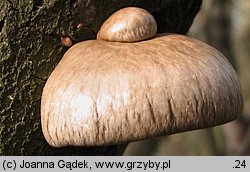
(224, 24)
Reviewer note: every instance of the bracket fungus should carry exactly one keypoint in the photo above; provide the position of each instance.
(132, 84)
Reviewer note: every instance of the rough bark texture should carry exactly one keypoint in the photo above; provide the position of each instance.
(31, 34)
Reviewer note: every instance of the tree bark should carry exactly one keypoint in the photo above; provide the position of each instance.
(32, 42)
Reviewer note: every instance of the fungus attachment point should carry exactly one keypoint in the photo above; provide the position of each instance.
(128, 25)
(132, 91)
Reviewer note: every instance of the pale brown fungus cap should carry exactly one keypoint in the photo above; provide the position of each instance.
(104, 92)
(128, 25)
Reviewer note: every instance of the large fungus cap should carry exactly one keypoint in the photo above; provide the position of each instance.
(104, 92)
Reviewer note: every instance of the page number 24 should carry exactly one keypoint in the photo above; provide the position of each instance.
(239, 164)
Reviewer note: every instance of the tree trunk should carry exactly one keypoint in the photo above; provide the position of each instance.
(33, 35)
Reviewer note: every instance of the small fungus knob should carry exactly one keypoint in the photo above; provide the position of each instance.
(128, 25)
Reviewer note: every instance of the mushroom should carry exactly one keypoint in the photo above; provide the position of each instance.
(131, 84)
(128, 25)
